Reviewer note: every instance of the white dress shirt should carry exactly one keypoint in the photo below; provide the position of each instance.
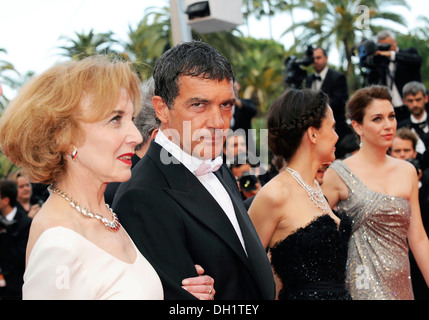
(9, 217)
(317, 84)
(396, 95)
(209, 181)
(420, 147)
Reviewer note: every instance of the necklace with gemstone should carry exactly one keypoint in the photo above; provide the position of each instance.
(315, 195)
(113, 225)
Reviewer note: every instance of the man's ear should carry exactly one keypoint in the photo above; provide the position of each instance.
(161, 109)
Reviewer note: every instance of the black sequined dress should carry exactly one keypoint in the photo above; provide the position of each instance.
(311, 262)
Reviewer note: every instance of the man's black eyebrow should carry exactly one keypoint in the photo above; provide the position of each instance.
(232, 101)
(197, 99)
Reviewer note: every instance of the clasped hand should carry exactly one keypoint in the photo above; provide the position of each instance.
(202, 286)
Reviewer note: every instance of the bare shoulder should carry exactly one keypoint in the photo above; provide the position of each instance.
(332, 180)
(400, 164)
(49, 216)
(270, 201)
(273, 193)
(269, 208)
(330, 174)
(402, 170)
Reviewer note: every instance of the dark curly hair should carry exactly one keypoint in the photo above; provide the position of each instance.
(290, 115)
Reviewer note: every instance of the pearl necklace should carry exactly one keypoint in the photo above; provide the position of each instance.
(113, 225)
(315, 195)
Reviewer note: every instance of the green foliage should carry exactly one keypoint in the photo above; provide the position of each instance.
(333, 24)
(6, 167)
(258, 64)
(90, 44)
(419, 39)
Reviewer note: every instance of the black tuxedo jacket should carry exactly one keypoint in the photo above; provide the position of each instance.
(335, 86)
(407, 67)
(13, 244)
(422, 135)
(243, 116)
(176, 223)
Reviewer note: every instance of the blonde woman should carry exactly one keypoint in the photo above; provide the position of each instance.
(72, 127)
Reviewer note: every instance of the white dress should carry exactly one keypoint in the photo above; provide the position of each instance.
(64, 265)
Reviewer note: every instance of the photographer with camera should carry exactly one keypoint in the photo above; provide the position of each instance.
(14, 230)
(334, 84)
(403, 66)
(246, 175)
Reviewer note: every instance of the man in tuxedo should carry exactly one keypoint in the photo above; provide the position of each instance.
(178, 213)
(334, 84)
(404, 66)
(415, 99)
(14, 230)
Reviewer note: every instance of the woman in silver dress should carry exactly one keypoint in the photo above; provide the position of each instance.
(380, 194)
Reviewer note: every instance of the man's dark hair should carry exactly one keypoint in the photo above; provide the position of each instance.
(195, 59)
(8, 189)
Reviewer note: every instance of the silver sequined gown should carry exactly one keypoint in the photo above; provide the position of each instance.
(378, 263)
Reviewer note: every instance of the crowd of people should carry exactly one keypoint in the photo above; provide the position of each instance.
(151, 195)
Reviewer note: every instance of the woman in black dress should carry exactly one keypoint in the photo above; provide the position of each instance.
(306, 240)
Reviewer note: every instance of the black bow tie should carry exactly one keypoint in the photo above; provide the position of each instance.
(316, 77)
(419, 126)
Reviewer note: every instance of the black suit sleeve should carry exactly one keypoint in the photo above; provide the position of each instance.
(159, 235)
(409, 57)
(335, 86)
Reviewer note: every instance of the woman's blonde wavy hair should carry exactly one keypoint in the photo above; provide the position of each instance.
(39, 127)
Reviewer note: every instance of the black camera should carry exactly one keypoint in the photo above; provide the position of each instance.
(295, 73)
(375, 66)
(248, 181)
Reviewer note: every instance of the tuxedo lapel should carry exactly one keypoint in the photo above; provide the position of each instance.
(327, 82)
(240, 211)
(190, 194)
(256, 254)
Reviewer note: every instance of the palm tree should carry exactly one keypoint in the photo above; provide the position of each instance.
(5, 79)
(333, 22)
(90, 44)
(264, 8)
(259, 70)
(150, 39)
(418, 38)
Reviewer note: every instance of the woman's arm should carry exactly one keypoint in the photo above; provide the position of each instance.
(333, 188)
(417, 237)
(264, 213)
